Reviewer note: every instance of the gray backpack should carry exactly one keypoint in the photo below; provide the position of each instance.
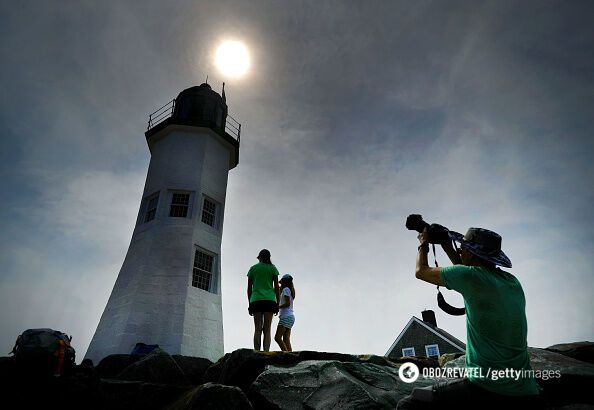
(44, 352)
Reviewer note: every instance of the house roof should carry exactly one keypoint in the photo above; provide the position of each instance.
(434, 329)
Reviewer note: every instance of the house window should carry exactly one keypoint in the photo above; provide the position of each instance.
(203, 272)
(432, 350)
(179, 204)
(209, 212)
(408, 351)
(151, 207)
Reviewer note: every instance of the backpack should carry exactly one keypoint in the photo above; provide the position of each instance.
(44, 352)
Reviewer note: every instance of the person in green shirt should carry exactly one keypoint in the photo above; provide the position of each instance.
(263, 296)
(497, 360)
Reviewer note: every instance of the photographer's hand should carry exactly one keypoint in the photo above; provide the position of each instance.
(423, 270)
(423, 237)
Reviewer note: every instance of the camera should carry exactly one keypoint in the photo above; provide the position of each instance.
(436, 234)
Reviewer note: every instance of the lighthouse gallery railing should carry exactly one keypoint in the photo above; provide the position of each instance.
(232, 126)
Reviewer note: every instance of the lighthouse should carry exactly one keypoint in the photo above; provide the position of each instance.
(168, 290)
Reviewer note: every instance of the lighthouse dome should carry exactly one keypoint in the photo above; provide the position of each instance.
(200, 106)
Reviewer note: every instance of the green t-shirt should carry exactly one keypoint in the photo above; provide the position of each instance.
(263, 288)
(496, 328)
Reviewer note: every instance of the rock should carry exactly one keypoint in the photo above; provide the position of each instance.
(131, 395)
(241, 367)
(7, 369)
(575, 383)
(193, 367)
(156, 367)
(583, 351)
(119, 394)
(305, 379)
(112, 365)
(153, 396)
(448, 357)
(83, 387)
(213, 397)
(570, 385)
(323, 384)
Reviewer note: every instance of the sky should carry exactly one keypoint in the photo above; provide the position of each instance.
(354, 115)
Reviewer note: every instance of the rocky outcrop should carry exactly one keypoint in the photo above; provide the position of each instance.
(156, 367)
(323, 384)
(448, 357)
(241, 367)
(572, 384)
(246, 379)
(113, 365)
(583, 351)
(213, 397)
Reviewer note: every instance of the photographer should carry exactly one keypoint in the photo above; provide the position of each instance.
(495, 322)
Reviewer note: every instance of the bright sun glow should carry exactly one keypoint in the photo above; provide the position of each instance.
(232, 58)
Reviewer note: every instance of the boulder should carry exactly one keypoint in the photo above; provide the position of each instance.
(323, 384)
(241, 367)
(7, 369)
(119, 394)
(213, 397)
(137, 395)
(112, 365)
(583, 351)
(448, 357)
(152, 396)
(564, 380)
(193, 367)
(156, 367)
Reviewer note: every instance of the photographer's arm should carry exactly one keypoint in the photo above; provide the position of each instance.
(451, 252)
(423, 270)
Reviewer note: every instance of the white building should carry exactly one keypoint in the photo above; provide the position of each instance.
(168, 291)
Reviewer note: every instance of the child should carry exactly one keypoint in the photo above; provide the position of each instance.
(287, 318)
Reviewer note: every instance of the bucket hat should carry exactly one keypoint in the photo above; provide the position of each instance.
(483, 243)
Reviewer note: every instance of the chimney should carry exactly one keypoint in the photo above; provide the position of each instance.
(429, 317)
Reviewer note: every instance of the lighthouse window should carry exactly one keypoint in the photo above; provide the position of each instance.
(209, 212)
(203, 270)
(179, 205)
(151, 207)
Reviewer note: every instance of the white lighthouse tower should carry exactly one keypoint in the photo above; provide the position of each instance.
(168, 291)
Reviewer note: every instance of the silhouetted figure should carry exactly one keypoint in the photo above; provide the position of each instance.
(286, 315)
(263, 296)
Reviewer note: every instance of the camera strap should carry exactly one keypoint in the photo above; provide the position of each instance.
(441, 302)
(434, 256)
(446, 307)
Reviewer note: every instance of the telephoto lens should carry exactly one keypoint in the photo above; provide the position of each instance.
(436, 233)
(415, 222)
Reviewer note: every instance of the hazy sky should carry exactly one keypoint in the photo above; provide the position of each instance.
(354, 115)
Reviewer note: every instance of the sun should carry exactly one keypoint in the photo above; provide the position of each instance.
(232, 58)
